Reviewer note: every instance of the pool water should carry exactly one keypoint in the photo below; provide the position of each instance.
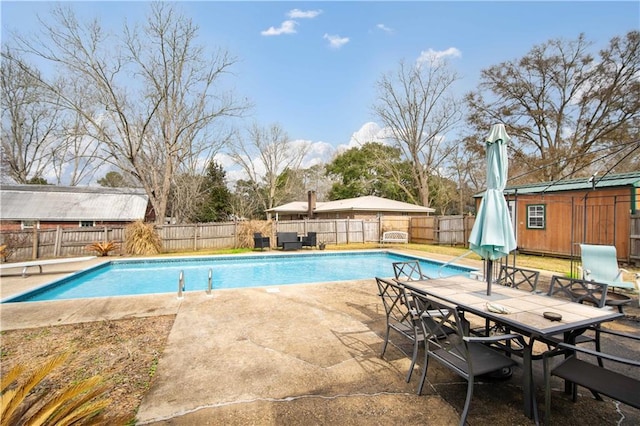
(135, 277)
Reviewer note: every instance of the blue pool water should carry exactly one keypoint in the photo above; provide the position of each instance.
(131, 277)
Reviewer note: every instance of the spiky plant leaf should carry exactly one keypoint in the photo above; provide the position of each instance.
(11, 400)
(10, 377)
(77, 404)
(82, 415)
(68, 400)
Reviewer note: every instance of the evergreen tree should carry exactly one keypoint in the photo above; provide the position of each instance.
(216, 199)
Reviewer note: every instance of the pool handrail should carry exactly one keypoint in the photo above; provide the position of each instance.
(451, 261)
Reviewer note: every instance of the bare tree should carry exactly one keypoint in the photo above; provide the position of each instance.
(77, 158)
(29, 120)
(418, 108)
(152, 98)
(186, 197)
(267, 155)
(465, 167)
(565, 111)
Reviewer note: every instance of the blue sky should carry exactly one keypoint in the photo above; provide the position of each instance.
(323, 92)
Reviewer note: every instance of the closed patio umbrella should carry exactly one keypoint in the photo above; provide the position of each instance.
(492, 234)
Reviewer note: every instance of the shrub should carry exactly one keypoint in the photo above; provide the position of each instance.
(103, 247)
(140, 238)
(78, 403)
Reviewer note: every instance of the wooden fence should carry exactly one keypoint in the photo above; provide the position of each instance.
(66, 242)
(447, 230)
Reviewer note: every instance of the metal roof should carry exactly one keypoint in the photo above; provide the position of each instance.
(367, 203)
(47, 202)
(631, 179)
(606, 181)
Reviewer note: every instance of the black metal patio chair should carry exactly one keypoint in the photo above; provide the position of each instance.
(580, 291)
(399, 318)
(467, 356)
(578, 368)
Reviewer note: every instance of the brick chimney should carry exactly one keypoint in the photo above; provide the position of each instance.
(311, 204)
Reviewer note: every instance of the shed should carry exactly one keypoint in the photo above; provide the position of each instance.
(48, 206)
(554, 217)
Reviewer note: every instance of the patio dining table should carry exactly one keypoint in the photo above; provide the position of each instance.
(525, 315)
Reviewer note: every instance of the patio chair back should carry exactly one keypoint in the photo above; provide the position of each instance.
(520, 278)
(579, 290)
(409, 271)
(600, 263)
(399, 317)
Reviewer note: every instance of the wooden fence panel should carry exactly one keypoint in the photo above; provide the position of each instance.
(395, 223)
(423, 230)
(371, 230)
(451, 230)
(355, 231)
(176, 237)
(330, 231)
(217, 235)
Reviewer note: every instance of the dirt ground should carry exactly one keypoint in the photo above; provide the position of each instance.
(124, 353)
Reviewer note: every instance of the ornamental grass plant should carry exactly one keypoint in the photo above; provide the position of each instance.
(141, 239)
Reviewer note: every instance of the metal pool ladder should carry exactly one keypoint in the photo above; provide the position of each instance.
(180, 284)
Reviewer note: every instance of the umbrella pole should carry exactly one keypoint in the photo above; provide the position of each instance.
(489, 277)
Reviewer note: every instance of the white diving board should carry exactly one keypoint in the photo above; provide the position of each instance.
(41, 263)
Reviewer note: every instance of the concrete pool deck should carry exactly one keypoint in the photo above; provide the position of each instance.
(303, 354)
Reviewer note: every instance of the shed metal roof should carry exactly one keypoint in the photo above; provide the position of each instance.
(56, 203)
(606, 181)
(631, 179)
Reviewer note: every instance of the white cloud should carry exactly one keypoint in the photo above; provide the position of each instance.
(369, 132)
(319, 153)
(303, 14)
(384, 28)
(432, 57)
(287, 27)
(335, 41)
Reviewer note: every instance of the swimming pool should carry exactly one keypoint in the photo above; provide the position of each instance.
(149, 276)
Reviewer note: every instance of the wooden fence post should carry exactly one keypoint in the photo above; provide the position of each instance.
(34, 247)
(195, 237)
(57, 242)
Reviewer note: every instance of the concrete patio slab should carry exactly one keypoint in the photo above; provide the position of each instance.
(298, 355)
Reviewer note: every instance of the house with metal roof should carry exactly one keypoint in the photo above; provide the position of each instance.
(555, 217)
(48, 206)
(367, 207)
